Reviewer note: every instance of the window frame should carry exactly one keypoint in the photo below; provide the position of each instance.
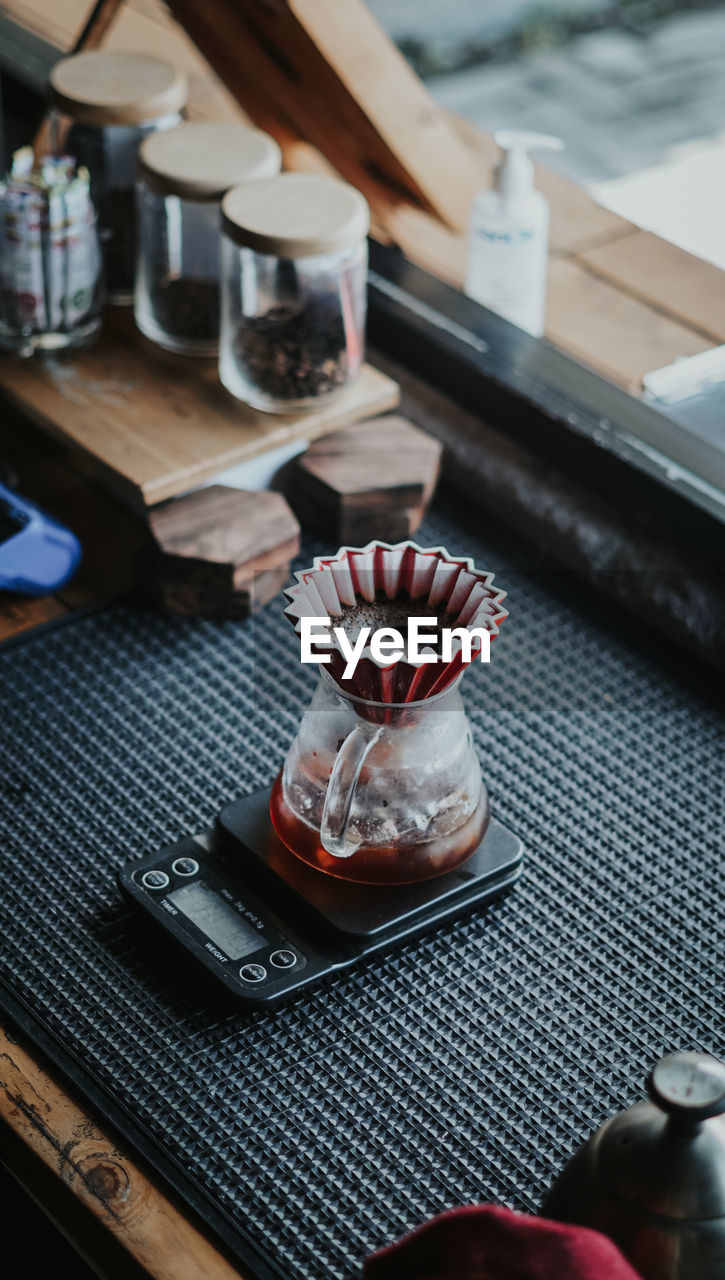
(622, 447)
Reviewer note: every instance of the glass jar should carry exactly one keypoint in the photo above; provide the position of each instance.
(115, 100)
(381, 793)
(294, 273)
(182, 176)
(50, 266)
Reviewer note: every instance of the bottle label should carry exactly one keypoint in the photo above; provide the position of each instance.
(507, 273)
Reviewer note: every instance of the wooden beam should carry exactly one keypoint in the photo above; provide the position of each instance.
(686, 288)
(143, 25)
(618, 336)
(328, 69)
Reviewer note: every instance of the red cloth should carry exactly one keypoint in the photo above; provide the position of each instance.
(483, 1242)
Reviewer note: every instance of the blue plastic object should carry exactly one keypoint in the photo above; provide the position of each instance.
(37, 553)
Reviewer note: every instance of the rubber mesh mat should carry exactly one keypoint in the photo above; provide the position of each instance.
(467, 1066)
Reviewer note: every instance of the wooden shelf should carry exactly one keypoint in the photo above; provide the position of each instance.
(149, 425)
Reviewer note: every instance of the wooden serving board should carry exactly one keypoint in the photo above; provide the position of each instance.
(150, 425)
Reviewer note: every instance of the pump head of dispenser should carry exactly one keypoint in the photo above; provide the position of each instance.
(653, 1178)
(514, 175)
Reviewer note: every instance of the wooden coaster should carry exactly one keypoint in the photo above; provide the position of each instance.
(370, 480)
(219, 551)
(201, 600)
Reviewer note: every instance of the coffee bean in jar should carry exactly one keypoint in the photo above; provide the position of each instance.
(115, 100)
(294, 267)
(181, 178)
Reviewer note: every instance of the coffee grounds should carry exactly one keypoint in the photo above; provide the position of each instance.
(391, 613)
(296, 350)
(187, 309)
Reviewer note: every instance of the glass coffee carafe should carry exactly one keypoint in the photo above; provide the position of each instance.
(380, 792)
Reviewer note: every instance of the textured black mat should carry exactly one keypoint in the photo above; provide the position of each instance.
(464, 1067)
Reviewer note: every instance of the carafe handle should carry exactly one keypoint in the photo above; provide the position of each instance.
(341, 788)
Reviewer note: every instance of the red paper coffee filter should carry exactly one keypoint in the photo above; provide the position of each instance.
(428, 579)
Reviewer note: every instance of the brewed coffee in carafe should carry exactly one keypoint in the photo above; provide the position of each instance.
(385, 802)
(382, 784)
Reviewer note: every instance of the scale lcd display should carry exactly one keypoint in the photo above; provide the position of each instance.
(217, 919)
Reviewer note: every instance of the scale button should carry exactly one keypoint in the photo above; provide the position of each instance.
(283, 959)
(185, 866)
(253, 973)
(155, 879)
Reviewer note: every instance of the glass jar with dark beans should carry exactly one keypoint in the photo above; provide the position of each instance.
(294, 263)
(182, 176)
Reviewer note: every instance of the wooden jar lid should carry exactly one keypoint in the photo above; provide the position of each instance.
(203, 160)
(117, 88)
(295, 215)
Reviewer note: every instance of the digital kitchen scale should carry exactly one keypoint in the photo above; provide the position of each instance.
(266, 925)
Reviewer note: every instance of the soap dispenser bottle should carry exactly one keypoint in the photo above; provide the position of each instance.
(509, 236)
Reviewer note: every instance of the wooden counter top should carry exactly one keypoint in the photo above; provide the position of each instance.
(112, 1210)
